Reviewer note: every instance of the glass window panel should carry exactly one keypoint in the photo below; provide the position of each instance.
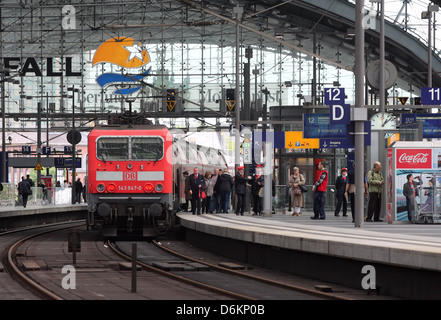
(112, 148)
(147, 148)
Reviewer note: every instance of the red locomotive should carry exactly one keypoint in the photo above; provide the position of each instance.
(135, 180)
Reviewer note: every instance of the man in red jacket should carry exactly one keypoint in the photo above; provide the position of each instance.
(319, 189)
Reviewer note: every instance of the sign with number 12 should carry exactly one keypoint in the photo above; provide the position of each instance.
(334, 96)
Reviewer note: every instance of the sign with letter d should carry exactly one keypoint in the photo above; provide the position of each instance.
(340, 114)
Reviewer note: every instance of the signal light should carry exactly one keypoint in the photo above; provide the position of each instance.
(230, 99)
(148, 188)
(170, 100)
(111, 188)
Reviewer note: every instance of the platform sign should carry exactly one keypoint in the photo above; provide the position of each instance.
(247, 154)
(340, 114)
(431, 123)
(295, 140)
(431, 96)
(334, 96)
(276, 137)
(46, 151)
(335, 143)
(66, 162)
(26, 149)
(317, 126)
(367, 133)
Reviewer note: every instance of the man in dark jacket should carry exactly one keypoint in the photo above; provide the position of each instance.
(195, 183)
(223, 187)
(240, 186)
(24, 189)
(257, 184)
(78, 190)
(340, 192)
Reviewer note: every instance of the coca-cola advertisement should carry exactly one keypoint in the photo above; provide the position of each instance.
(414, 158)
(416, 181)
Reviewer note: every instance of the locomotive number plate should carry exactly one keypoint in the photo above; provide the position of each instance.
(130, 176)
(129, 188)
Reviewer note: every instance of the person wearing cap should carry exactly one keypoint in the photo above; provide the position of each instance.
(240, 187)
(340, 193)
(256, 186)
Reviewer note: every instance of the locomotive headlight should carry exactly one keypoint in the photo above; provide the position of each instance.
(129, 166)
(100, 187)
(111, 187)
(148, 188)
(159, 187)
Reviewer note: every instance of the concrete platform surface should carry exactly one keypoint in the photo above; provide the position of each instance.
(398, 244)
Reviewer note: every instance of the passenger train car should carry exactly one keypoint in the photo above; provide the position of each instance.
(135, 177)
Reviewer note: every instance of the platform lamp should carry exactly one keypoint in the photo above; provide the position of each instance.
(428, 15)
(73, 141)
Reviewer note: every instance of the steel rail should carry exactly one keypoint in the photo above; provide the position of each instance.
(227, 293)
(256, 278)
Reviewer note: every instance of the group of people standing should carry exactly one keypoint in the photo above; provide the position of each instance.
(344, 192)
(210, 193)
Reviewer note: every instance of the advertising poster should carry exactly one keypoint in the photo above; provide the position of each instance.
(425, 166)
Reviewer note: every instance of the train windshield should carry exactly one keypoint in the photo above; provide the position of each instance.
(147, 148)
(112, 148)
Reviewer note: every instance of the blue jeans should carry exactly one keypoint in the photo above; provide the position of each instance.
(225, 200)
(214, 203)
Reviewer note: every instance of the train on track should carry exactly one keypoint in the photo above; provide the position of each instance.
(135, 180)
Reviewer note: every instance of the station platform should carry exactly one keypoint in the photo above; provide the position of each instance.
(18, 216)
(395, 247)
(40, 209)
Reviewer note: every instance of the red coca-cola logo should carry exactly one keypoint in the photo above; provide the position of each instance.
(414, 158)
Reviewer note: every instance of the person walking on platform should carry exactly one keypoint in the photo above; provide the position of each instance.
(223, 188)
(297, 198)
(196, 182)
(30, 181)
(319, 189)
(24, 190)
(240, 186)
(375, 182)
(78, 190)
(340, 193)
(256, 186)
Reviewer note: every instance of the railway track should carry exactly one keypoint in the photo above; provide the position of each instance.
(222, 280)
(17, 272)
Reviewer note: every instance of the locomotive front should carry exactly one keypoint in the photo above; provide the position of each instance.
(130, 180)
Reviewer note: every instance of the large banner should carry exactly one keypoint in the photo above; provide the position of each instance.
(424, 164)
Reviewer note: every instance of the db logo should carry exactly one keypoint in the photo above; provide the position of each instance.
(414, 158)
(130, 176)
